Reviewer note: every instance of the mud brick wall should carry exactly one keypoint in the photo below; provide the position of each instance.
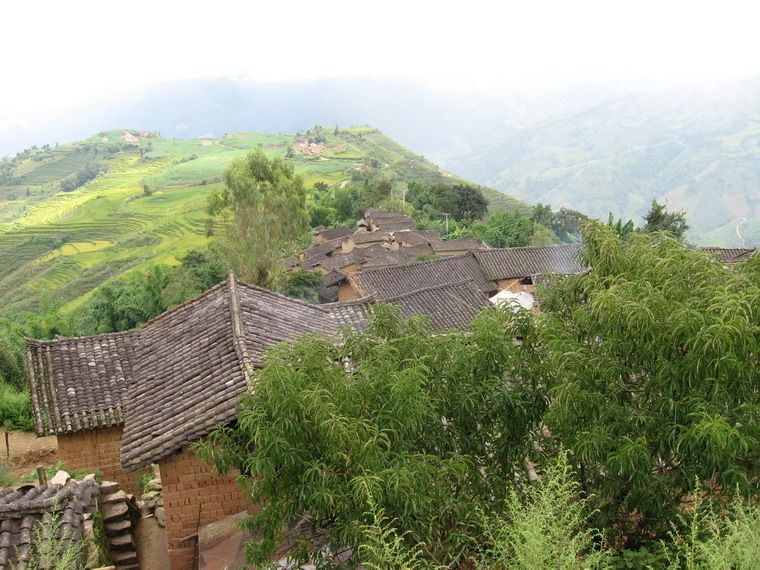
(98, 449)
(190, 486)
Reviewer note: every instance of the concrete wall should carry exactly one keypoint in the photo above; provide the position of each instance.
(195, 496)
(98, 449)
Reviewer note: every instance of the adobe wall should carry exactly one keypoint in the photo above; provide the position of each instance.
(513, 285)
(195, 496)
(347, 292)
(98, 449)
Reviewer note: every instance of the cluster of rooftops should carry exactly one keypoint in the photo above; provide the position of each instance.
(178, 377)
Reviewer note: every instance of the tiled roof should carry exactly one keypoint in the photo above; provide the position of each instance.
(349, 313)
(411, 238)
(334, 277)
(342, 260)
(410, 254)
(186, 380)
(24, 510)
(196, 360)
(370, 237)
(79, 383)
(322, 249)
(448, 306)
(516, 262)
(730, 255)
(335, 233)
(397, 280)
(462, 244)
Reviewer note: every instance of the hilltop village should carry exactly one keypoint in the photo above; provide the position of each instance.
(130, 405)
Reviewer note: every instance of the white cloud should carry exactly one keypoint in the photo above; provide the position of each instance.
(63, 53)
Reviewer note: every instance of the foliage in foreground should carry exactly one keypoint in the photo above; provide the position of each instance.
(651, 361)
(545, 525)
(423, 427)
(708, 538)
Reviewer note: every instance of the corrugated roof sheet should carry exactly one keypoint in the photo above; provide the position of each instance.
(398, 280)
(514, 262)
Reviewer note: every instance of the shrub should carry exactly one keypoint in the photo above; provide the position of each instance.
(709, 539)
(544, 525)
(15, 409)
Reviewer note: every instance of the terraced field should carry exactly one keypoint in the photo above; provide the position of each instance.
(148, 205)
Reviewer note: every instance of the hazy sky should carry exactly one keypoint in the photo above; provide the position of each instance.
(56, 54)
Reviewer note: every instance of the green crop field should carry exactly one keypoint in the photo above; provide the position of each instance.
(147, 205)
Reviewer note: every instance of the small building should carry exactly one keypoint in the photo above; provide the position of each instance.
(514, 268)
(731, 255)
(390, 282)
(332, 234)
(124, 402)
(455, 246)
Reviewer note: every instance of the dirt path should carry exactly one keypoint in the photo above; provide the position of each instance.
(27, 450)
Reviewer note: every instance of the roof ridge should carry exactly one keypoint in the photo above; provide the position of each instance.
(416, 264)
(238, 330)
(431, 288)
(184, 304)
(281, 296)
(62, 339)
(528, 247)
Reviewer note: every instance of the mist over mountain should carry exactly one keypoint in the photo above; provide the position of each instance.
(594, 149)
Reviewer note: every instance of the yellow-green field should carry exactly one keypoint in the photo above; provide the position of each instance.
(149, 205)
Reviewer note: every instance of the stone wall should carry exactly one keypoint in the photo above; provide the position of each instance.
(98, 450)
(194, 496)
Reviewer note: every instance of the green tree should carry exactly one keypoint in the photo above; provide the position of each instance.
(624, 230)
(263, 211)
(505, 229)
(658, 219)
(421, 427)
(651, 360)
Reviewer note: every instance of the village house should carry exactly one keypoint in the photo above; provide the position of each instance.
(121, 403)
(514, 268)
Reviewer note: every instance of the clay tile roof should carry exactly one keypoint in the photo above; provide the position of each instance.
(321, 249)
(342, 260)
(387, 282)
(335, 233)
(730, 255)
(411, 238)
(516, 262)
(410, 254)
(197, 359)
(349, 313)
(453, 305)
(369, 237)
(186, 379)
(79, 383)
(462, 244)
(334, 277)
(24, 510)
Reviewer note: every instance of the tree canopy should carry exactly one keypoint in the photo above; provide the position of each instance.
(421, 426)
(659, 219)
(263, 210)
(651, 361)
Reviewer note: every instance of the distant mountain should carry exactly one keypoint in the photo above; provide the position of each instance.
(698, 151)
(76, 215)
(593, 149)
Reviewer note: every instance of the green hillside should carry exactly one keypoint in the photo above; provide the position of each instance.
(695, 153)
(147, 203)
